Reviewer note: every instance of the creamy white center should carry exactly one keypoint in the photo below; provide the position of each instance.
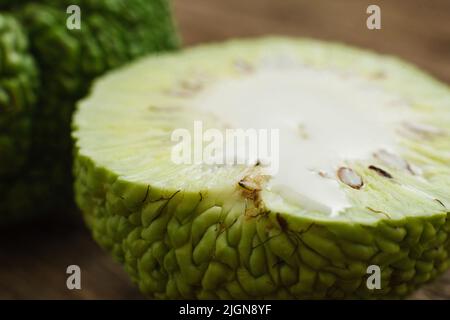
(324, 119)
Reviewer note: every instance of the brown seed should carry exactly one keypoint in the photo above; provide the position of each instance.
(381, 172)
(393, 160)
(248, 185)
(350, 178)
(440, 202)
(254, 182)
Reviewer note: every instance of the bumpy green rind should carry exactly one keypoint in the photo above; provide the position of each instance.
(177, 244)
(18, 86)
(18, 94)
(112, 33)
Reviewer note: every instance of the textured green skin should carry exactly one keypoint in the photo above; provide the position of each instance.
(175, 246)
(18, 86)
(18, 93)
(113, 33)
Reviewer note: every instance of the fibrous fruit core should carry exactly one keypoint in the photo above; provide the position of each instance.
(325, 119)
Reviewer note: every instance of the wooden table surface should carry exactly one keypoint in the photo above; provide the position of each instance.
(34, 257)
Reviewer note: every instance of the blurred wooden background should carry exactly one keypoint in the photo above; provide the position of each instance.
(34, 257)
(416, 30)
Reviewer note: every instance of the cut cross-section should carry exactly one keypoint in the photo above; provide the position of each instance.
(357, 174)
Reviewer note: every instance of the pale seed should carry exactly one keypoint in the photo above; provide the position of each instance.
(350, 177)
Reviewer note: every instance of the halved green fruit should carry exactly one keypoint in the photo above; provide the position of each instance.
(363, 179)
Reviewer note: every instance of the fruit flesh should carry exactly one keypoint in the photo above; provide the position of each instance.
(318, 131)
(194, 231)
